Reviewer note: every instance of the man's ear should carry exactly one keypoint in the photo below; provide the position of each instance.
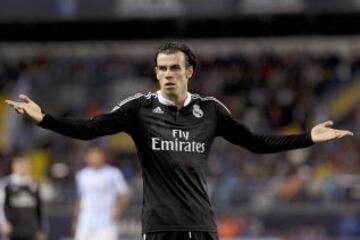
(189, 72)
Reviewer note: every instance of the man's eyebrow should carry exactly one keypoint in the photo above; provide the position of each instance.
(172, 65)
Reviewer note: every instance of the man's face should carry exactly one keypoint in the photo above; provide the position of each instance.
(21, 166)
(95, 157)
(173, 74)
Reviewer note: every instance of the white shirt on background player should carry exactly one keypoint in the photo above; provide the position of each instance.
(98, 191)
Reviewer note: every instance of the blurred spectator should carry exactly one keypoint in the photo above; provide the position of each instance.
(231, 227)
(21, 214)
(349, 225)
(102, 197)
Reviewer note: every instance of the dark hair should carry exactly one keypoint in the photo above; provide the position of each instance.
(173, 47)
(20, 158)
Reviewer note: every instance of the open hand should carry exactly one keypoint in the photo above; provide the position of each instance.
(27, 108)
(323, 132)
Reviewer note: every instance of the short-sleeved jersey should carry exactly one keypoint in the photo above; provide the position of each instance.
(21, 205)
(173, 145)
(98, 191)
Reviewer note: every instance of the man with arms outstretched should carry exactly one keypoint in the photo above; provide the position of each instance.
(173, 131)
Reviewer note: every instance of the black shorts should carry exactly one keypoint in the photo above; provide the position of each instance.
(181, 236)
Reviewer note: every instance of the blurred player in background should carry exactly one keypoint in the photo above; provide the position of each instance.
(102, 197)
(173, 131)
(21, 215)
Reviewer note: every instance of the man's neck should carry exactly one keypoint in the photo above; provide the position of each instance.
(178, 100)
(97, 167)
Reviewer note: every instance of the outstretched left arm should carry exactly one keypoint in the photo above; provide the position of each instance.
(239, 134)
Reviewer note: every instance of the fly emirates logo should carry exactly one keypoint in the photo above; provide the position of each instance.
(180, 143)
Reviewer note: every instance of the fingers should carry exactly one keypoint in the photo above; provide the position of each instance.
(323, 132)
(343, 133)
(11, 103)
(337, 134)
(19, 106)
(25, 98)
(327, 123)
(16, 105)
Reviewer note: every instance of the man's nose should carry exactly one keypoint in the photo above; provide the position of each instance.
(168, 73)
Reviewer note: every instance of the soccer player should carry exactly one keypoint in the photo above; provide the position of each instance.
(103, 194)
(173, 131)
(21, 216)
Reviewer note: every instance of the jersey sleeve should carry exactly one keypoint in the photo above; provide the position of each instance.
(122, 118)
(120, 183)
(2, 204)
(78, 183)
(239, 134)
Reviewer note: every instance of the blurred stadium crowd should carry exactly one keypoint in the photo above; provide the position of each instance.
(305, 194)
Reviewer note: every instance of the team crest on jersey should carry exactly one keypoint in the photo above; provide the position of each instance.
(197, 112)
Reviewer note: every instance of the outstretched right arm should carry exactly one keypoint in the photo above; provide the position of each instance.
(116, 121)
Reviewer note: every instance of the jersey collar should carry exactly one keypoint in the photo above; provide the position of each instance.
(17, 179)
(167, 102)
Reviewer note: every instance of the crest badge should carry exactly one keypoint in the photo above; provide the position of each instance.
(197, 112)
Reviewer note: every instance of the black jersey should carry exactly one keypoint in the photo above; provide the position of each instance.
(173, 146)
(22, 206)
